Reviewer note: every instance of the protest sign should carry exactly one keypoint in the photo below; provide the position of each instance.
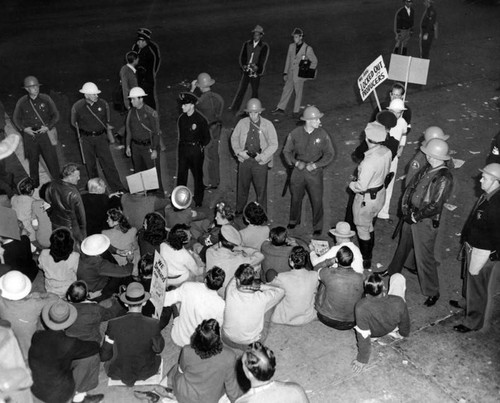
(374, 75)
(408, 69)
(143, 181)
(158, 284)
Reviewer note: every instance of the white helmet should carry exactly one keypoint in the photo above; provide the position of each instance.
(137, 92)
(90, 89)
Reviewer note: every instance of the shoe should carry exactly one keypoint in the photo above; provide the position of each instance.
(412, 271)
(93, 398)
(278, 110)
(431, 301)
(291, 226)
(455, 304)
(146, 396)
(164, 392)
(383, 273)
(317, 232)
(211, 187)
(462, 329)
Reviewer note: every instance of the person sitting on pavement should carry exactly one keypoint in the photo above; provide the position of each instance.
(22, 307)
(259, 365)
(60, 262)
(379, 314)
(52, 354)
(340, 289)
(96, 203)
(152, 233)
(22, 204)
(276, 251)
(137, 205)
(103, 278)
(229, 254)
(257, 230)
(247, 316)
(182, 264)
(300, 285)
(133, 342)
(343, 237)
(206, 368)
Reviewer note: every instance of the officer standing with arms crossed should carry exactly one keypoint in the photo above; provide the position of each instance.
(308, 149)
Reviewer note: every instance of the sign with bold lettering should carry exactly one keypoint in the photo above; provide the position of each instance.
(374, 75)
(158, 284)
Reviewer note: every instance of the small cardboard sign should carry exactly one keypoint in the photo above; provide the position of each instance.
(414, 68)
(158, 284)
(143, 181)
(374, 75)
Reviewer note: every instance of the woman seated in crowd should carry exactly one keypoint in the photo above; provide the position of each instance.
(257, 230)
(60, 262)
(152, 233)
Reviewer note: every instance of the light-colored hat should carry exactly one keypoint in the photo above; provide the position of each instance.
(95, 244)
(59, 315)
(375, 132)
(342, 230)
(8, 145)
(15, 285)
(231, 234)
(135, 294)
(258, 29)
(397, 105)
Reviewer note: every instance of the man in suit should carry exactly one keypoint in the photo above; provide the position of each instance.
(253, 58)
(297, 51)
(403, 27)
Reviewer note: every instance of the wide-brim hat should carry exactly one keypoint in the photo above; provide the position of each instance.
(95, 245)
(297, 31)
(59, 315)
(342, 230)
(188, 98)
(258, 29)
(8, 145)
(231, 234)
(135, 294)
(9, 227)
(375, 132)
(15, 285)
(144, 33)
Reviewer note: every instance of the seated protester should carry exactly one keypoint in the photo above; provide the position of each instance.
(247, 316)
(40, 211)
(123, 238)
(59, 263)
(87, 327)
(379, 314)
(343, 237)
(137, 205)
(52, 354)
(259, 365)
(179, 210)
(133, 342)
(228, 254)
(182, 264)
(96, 203)
(22, 307)
(207, 233)
(16, 246)
(103, 278)
(206, 368)
(300, 285)
(152, 234)
(257, 230)
(198, 301)
(277, 251)
(22, 205)
(340, 289)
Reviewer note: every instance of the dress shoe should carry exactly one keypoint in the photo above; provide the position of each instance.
(317, 232)
(412, 271)
(455, 304)
(146, 396)
(210, 187)
(462, 329)
(278, 111)
(291, 226)
(93, 398)
(430, 301)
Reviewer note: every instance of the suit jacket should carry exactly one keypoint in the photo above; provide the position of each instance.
(128, 80)
(293, 60)
(132, 344)
(260, 55)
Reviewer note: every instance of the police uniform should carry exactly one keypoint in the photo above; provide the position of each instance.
(211, 105)
(194, 135)
(315, 147)
(428, 26)
(92, 120)
(46, 115)
(369, 191)
(143, 137)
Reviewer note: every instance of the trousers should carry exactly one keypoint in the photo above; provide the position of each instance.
(251, 172)
(37, 145)
(312, 183)
(141, 160)
(424, 239)
(293, 83)
(211, 165)
(242, 88)
(191, 157)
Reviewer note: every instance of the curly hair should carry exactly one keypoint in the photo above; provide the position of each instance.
(225, 210)
(205, 340)
(245, 273)
(77, 292)
(146, 265)
(215, 278)
(154, 232)
(26, 186)
(299, 257)
(255, 214)
(260, 361)
(177, 236)
(61, 244)
(118, 216)
(278, 236)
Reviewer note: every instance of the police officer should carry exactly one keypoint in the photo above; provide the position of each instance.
(194, 135)
(210, 105)
(369, 188)
(35, 115)
(481, 236)
(90, 116)
(308, 150)
(422, 205)
(254, 142)
(143, 134)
